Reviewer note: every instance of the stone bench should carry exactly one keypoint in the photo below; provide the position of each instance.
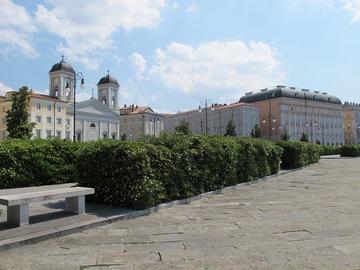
(18, 204)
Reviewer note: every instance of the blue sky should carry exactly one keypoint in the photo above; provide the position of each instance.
(171, 54)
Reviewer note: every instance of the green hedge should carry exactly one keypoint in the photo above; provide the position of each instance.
(36, 162)
(350, 150)
(327, 150)
(298, 154)
(154, 170)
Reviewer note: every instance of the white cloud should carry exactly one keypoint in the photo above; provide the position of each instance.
(138, 63)
(16, 28)
(87, 26)
(353, 6)
(223, 69)
(4, 88)
(192, 8)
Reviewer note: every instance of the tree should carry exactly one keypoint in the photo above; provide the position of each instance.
(183, 128)
(284, 136)
(17, 119)
(304, 138)
(256, 132)
(230, 129)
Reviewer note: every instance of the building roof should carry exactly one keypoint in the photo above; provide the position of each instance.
(290, 92)
(216, 107)
(135, 109)
(108, 79)
(46, 97)
(62, 65)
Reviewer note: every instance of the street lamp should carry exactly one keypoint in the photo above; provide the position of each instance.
(77, 76)
(206, 111)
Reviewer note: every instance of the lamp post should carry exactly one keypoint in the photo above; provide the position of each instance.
(206, 112)
(77, 76)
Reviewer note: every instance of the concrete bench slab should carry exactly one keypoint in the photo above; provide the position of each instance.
(18, 204)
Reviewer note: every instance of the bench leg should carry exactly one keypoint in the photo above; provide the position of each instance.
(18, 215)
(76, 204)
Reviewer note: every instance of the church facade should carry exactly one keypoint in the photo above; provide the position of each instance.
(53, 114)
(94, 118)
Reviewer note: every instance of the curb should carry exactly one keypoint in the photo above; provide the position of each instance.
(89, 224)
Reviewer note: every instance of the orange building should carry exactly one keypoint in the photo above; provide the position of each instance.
(297, 112)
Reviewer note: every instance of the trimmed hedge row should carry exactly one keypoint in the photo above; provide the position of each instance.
(142, 174)
(298, 154)
(37, 162)
(350, 150)
(327, 150)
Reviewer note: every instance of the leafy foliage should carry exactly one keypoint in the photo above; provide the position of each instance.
(183, 128)
(230, 129)
(256, 132)
(298, 154)
(329, 150)
(304, 137)
(350, 150)
(153, 170)
(17, 119)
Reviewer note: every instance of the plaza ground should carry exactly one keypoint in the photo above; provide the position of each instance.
(307, 219)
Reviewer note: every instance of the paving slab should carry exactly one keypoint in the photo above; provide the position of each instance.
(307, 219)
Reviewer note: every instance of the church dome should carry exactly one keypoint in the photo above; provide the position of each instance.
(62, 65)
(108, 79)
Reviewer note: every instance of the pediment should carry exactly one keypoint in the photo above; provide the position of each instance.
(93, 108)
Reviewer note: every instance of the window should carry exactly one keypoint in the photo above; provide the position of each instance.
(49, 107)
(67, 135)
(92, 125)
(38, 119)
(4, 109)
(38, 133)
(58, 134)
(113, 135)
(48, 120)
(38, 106)
(105, 135)
(68, 122)
(48, 133)
(58, 121)
(59, 108)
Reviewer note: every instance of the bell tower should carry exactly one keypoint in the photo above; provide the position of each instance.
(61, 79)
(108, 88)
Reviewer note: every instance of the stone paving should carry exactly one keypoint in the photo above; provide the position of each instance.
(308, 219)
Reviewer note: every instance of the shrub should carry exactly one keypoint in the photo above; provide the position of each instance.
(36, 162)
(298, 154)
(144, 173)
(350, 150)
(327, 150)
(121, 173)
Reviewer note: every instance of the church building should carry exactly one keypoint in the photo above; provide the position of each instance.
(94, 118)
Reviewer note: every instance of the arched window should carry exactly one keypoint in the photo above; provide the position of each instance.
(105, 135)
(104, 100)
(92, 125)
(113, 135)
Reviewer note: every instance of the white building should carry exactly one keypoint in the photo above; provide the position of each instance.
(214, 119)
(95, 119)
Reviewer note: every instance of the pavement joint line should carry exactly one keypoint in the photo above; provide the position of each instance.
(89, 224)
